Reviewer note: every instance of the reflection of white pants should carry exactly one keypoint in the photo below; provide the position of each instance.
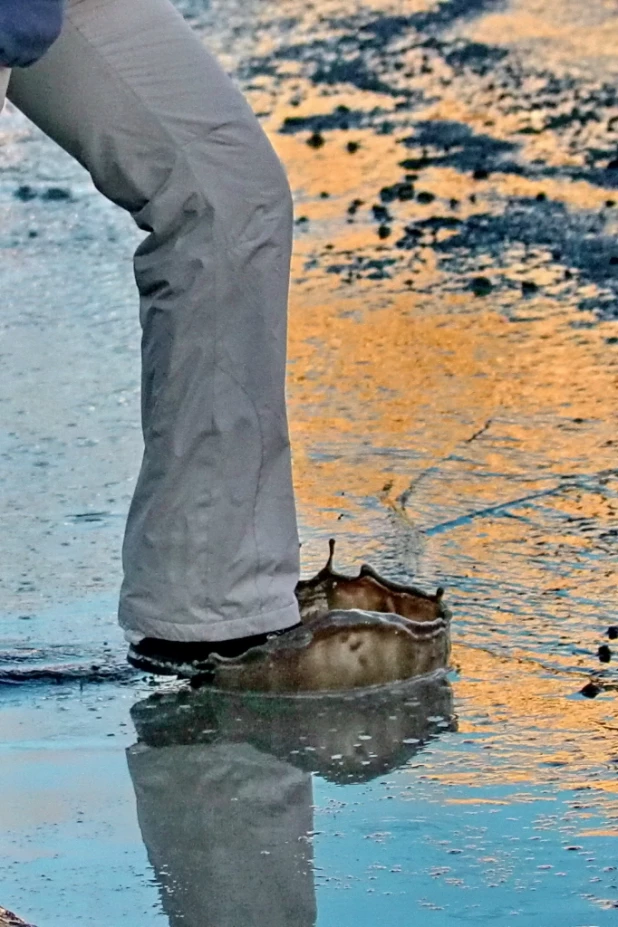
(4, 82)
(211, 548)
(226, 830)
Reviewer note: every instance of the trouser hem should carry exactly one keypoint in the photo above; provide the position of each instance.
(208, 629)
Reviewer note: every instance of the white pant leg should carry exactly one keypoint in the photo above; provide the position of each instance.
(211, 546)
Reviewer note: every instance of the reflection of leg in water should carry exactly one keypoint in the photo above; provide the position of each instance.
(224, 796)
(225, 828)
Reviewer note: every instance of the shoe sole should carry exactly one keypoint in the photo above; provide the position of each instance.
(162, 667)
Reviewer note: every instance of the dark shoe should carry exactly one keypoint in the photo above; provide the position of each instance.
(187, 660)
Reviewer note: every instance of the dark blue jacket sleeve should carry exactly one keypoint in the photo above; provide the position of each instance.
(27, 29)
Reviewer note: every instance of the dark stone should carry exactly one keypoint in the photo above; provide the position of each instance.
(25, 193)
(405, 192)
(353, 207)
(590, 690)
(604, 653)
(352, 147)
(316, 140)
(480, 173)
(341, 118)
(412, 236)
(425, 197)
(541, 197)
(436, 223)
(415, 164)
(397, 191)
(8, 919)
(528, 287)
(481, 286)
(383, 231)
(57, 195)
(612, 632)
(380, 213)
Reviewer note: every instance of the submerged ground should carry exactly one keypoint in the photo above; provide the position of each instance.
(453, 398)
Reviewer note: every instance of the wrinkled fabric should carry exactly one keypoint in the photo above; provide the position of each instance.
(28, 28)
(211, 546)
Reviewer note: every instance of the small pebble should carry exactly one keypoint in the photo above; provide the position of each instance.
(590, 690)
(25, 193)
(380, 212)
(481, 286)
(405, 192)
(604, 653)
(57, 194)
(316, 140)
(612, 632)
(425, 197)
(352, 147)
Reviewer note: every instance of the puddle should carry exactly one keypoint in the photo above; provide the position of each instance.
(452, 391)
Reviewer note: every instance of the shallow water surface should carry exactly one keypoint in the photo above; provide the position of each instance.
(453, 400)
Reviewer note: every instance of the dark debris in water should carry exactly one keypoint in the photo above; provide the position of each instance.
(481, 286)
(591, 690)
(455, 144)
(341, 118)
(26, 193)
(358, 267)
(399, 58)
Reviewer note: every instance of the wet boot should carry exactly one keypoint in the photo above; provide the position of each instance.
(194, 659)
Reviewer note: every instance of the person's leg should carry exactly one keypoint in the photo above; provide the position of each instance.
(211, 547)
